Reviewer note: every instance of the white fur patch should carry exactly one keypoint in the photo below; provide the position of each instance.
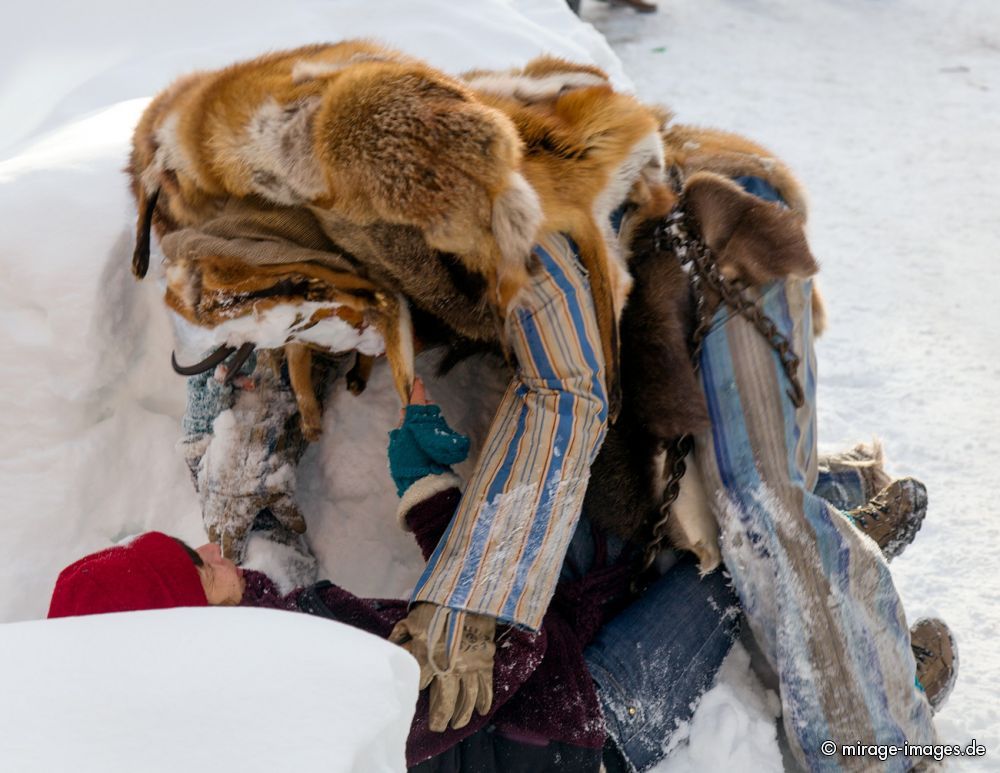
(644, 160)
(693, 518)
(178, 280)
(528, 89)
(424, 489)
(313, 69)
(169, 154)
(517, 216)
(278, 148)
(310, 322)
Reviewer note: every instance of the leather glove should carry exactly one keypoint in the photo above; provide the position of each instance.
(460, 680)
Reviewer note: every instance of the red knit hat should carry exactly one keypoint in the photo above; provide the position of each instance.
(151, 572)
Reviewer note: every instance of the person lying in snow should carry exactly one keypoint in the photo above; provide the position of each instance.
(606, 678)
(775, 546)
(819, 598)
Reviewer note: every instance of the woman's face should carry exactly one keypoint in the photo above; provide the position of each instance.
(221, 578)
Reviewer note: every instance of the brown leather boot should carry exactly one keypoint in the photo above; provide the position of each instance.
(893, 516)
(936, 652)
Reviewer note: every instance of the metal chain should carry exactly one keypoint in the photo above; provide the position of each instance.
(683, 238)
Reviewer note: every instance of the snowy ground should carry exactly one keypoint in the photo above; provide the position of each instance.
(890, 113)
(888, 109)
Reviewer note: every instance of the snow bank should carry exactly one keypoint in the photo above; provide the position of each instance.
(254, 690)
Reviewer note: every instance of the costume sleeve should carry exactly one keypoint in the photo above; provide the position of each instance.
(429, 517)
(502, 552)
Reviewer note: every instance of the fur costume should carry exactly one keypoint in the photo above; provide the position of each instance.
(348, 181)
(755, 242)
(429, 188)
(353, 128)
(354, 131)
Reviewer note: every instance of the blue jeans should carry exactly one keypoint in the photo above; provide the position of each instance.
(654, 661)
(844, 489)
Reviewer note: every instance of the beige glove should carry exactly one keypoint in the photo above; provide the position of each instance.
(460, 680)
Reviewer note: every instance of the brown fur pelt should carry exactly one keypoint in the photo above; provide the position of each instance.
(698, 149)
(434, 188)
(361, 134)
(588, 148)
(702, 149)
(662, 398)
(754, 241)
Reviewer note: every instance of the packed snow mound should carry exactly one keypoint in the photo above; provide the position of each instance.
(202, 690)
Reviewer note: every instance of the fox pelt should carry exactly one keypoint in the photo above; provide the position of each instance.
(587, 150)
(358, 132)
(353, 128)
(436, 188)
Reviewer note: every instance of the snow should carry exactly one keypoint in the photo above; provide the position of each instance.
(277, 325)
(887, 110)
(202, 689)
(734, 724)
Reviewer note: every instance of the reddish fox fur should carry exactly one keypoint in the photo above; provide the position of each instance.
(483, 168)
(353, 128)
(588, 148)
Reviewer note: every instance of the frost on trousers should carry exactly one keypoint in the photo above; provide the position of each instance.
(822, 606)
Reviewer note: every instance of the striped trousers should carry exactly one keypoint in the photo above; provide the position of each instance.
(817, 593)
(503, 550)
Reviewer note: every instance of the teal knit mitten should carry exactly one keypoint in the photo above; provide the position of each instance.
(424, 445)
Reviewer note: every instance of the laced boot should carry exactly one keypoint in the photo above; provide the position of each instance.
(893, 516)
(936, 652)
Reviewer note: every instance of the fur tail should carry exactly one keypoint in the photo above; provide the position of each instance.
(397, 332)
(517, 216)
(140, 258)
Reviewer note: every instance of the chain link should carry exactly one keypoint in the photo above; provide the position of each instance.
(679, 234)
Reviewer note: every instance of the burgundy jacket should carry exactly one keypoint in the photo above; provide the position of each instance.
(542, 688)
